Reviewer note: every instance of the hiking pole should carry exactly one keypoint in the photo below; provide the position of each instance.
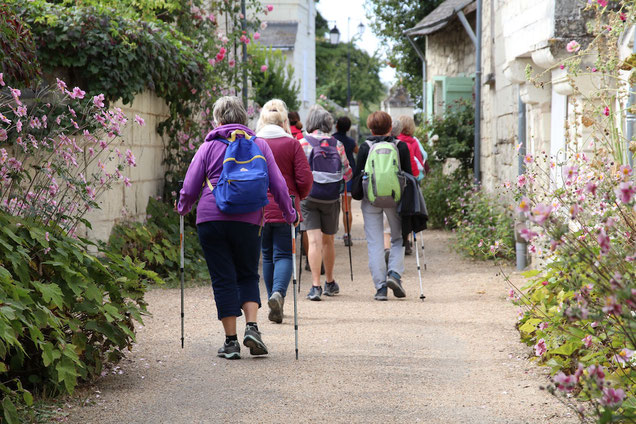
(419, 272)
(293, 236)
(347, 229)
(181, 260)
(300, 261)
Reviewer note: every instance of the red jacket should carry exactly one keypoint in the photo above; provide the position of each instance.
(414, 151)
(292, 162)
(296, 132)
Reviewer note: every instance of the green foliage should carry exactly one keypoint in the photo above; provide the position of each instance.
(441, 193)
(18, 62)
(331, 77)
(389, 19)
(156, 242)
(453, 135)
(64, 313)
(276, 82)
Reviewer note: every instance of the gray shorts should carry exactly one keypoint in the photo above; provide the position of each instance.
(318, 215)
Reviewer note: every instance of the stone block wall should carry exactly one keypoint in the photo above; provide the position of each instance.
(147, 178)
(450, 52)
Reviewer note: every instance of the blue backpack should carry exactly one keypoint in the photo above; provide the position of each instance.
(243, 183)
(326, 167)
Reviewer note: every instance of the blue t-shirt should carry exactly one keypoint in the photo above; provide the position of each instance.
(349, 144)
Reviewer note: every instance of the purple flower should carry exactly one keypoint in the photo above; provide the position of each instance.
(140, 120)
(98, 101)
(612, 398)
(541, 213)
(540, 348)
(564, 382)
(77, 93)
(130, 158)
(625, 192)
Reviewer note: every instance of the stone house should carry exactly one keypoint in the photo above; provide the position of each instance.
(515, 35)
(291, 28)
(398, 102)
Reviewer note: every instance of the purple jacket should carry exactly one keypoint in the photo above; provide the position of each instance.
(208, 161)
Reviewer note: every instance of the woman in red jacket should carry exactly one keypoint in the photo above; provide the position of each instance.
(273, 126)
(406, 135)
(295, 125)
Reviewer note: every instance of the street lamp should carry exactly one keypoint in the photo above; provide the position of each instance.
(334, 38)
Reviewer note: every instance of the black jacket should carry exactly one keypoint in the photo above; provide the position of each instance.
(361, 161)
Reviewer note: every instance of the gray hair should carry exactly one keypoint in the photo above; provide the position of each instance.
(229, 110)
(319, 119)
(396, 127)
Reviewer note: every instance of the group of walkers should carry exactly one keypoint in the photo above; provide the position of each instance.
(253, 188)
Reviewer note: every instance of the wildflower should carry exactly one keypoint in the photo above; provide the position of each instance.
(263, 25)
(127, 182)
(521, 180)
(232, 62)
(21, 111)
(527, 159)
(257, 36)
(524, 205)
(140, 120)
(543, 326)
(541, 213)
(564, 382)
(61, 85)
(481, 243)
(591, 188)
(130, 158)
(46, 236)
(623, 356)
(77, 93)
(612, 398)
(90, 191)
(625, 192)
(602, 3)
(263, 68)
(606, 111)
(575, 209)
(4, 119)
(527, 235)
(570, 173)
(540, 348)
(3, 134)
(1, 80)
(611, 306)
(270, 7)
(16, 95)
(573, 46)
(623, 16)
(98, 101)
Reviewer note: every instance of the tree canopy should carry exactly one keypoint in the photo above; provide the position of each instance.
(389, 19)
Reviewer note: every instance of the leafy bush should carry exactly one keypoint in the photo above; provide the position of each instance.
(156, 242)
(441, 193)
(18, 62)
(64, 313)
(273, 78)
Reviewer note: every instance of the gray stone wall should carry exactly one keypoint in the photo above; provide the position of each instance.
(450, 52)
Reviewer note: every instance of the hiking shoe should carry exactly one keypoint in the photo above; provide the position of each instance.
(275, 303)
(331, 288)
(381, 294)
(230, 350)
(253, 340)
(394, 283)
(314, 293)
(347, 240)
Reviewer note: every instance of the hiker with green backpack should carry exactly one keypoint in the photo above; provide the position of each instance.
(379, 182)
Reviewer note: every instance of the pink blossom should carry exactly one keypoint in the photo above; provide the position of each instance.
(130, 158)
(602, 3)
(61, 85)
(257, 36)
(527, 159)
(521, 180)
(231, 63)
(623, 356)
(611, 306)
(140, 120)
(591, 188)
(98, 101)
(127, 182)
(541, 213)
(570, 173)
(596, 372)
(524, 205)
(573, 46)
(263, 25)
(612, 398)
(527, 235)
(625, 192)
(623, 16)
(540, 348)
(603, 241)
(21, 111)
(77, 93)
(16, 95)
(46, 236)
(4, 119)
(1, 80)
(270, 7)
(3, 134)
(543, 326)
(624, 171)
(263, 68)
(575, 209)
(564, 382)
(606, 111)
(587, 341)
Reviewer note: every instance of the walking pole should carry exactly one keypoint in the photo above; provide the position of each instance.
(347, 229)
(419, 272)
(293, 236)
(181, 262)
(300, 261)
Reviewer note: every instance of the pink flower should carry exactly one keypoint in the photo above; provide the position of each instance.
(575, 209)
(625, 192)
(564, 382)
(98, 101)
(130, 158)
(612, 398)
(540, 348)
(543, 326)
(623, 356)
(524, 205)
(603, 241)
(77, 93)
(1, 80)
(602, 3)
(570, 173)
(596, 372)
(270, 7)
(257, 36)
(61, 85)
(521, 180)
(611, 306)
(16, 95)
(623, 16)
(606, 111)
(140, 120)
(231, 63)
(263, 68)
(591, 188)
(573, 46)
(263, 25)
(527, 235)
(587, 341)
(127, 182)
(527, 159)
(3, 134)
(541, 213)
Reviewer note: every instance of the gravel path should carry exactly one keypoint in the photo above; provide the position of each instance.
(454, 358)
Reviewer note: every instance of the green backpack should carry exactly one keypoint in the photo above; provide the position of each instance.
(383, 181)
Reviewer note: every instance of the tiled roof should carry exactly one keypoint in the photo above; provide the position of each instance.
(279, 35)
(438, 18)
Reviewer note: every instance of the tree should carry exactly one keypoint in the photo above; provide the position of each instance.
(272, 77)
(389, 19)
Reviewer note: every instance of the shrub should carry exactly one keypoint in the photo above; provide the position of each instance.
(441, 193)
(156, 242)
(64, 312)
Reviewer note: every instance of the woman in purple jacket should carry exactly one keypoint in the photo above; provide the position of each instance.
(231, 242)
(273, 126)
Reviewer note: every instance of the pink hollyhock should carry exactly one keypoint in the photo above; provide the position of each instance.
(257, 36)
(612, 398)
(540, 348)
(263, 68)
(541, 213)
(573, 46)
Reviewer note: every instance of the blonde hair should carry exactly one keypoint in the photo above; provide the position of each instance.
(274, 112)
(408, 125)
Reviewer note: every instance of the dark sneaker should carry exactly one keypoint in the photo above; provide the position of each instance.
(381, 294)
(253, 340)
(315, 293)
(275, 303)
(394, 283)
(331, 288)
(230, 350)
(347, 240)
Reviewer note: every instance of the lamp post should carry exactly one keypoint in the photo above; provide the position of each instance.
(334, 38)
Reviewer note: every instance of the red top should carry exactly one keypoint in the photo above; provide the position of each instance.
(296, 132)
(292, 162)
(414, 152)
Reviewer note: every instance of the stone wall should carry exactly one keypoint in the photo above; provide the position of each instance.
(147, 178)
(450, 52)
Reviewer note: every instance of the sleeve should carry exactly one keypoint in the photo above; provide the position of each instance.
(405, 157)
(303, 176)
(347, 172)
(278, 185)
(193, 181)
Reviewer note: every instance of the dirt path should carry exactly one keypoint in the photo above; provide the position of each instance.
(454, 358)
